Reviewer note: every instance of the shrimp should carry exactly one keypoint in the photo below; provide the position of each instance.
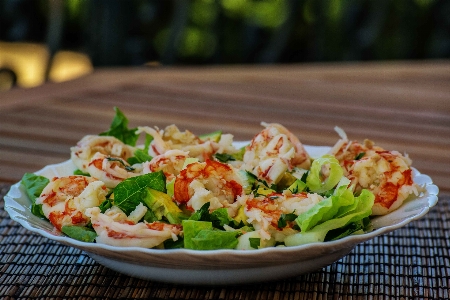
(274, 151)
(65, 199)
(115, 229)
(85, 149)
(171, 163)
(110, 170)
(158, 146)
(210, 181)
(387, 174)
(171, 138)
(263, 212)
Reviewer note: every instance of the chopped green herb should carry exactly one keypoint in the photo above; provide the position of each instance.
(360, 155)
(79, 172)
(255, 242)
(224, 157)
(119, 160)
(284, 218)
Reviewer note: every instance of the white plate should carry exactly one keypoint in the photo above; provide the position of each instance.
(215, 267)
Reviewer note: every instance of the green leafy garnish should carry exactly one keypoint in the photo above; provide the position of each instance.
(171, 244)
(352, 228)
(200, 235)
(255, 242)
(218, 217)
(34, 184)
(130, 192)
(105, 205)
(79, 172)
(224, 157)
(297, 187)
(202, 214)
(360, 155)
(284, 218)
(318, 233)
(325, 209)
(119, 129)
(119, 160)
(79, 233)
(140, 156)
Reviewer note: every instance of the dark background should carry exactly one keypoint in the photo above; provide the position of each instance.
(135, 32)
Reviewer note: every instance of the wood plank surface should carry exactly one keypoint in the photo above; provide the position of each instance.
(402, 106)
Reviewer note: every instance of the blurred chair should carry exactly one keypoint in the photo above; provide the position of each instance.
(28, 62)
(68, 65)
(8, 79)
(28, 65)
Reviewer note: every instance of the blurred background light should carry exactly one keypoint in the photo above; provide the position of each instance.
(205, 32)
(67, 65)
(27, 61)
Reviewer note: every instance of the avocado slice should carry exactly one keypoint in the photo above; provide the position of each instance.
(213, 136)
(162, 205)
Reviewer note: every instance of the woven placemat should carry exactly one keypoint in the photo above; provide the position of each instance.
(410, 263)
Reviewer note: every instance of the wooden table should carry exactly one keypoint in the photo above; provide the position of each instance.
(400, 105)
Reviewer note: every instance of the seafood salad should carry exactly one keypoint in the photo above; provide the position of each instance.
(202, 192)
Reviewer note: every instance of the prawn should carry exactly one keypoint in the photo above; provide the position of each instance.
(387, 174)
(171, 138)
(171, 163)
(115, 229)
(88, 146)
(210, 181)
(274, 151)
(110, 170)
(65, 199)
(263, 212)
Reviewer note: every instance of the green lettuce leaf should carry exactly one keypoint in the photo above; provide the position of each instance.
(79, 172)
(119, 129)
(130, 192)
(215, 239)
(105, 205)
(34, 184)
(352, 228)
(218, 217)
(191, 228)
(326, 209)
(201, 235)
(83, 234)
(140, 156)
(318, 233)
